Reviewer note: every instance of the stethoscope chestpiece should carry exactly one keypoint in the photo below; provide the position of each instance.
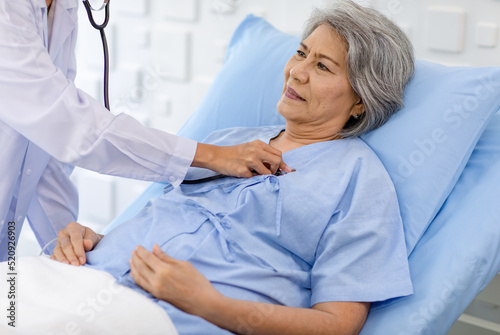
(280, 172)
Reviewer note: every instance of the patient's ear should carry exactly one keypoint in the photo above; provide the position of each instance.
(358, 109)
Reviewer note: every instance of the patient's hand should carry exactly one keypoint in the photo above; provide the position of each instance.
(72, 243)
(180, 284)
(176, 282)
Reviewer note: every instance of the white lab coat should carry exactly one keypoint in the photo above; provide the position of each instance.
(46, 120)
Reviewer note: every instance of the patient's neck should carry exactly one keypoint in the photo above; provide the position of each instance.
(281, 143)
(288, 140)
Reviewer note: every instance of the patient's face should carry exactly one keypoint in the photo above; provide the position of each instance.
(317, 94)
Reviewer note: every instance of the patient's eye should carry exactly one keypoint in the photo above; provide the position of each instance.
(322, 66)
(301, 53)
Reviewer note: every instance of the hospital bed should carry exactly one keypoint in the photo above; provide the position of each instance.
(442, 151)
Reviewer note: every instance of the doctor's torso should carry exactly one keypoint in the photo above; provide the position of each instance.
(22, 163)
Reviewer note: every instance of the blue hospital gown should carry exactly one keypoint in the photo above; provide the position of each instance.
(330, 231)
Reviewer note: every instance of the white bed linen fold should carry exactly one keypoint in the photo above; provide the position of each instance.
(55, 298)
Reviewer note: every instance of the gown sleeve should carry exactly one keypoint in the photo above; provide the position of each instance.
(361, 255)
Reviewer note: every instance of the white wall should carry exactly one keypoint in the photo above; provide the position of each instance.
(453, 32)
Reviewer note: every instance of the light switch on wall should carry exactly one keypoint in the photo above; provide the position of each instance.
(445, 28)
(486, 34)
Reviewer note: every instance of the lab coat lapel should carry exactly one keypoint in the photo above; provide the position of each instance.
(63, 26)
(41, 18)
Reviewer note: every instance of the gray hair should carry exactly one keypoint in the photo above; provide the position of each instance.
(379, 60)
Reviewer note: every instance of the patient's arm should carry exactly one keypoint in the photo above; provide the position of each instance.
(72, 243)
(179, 283)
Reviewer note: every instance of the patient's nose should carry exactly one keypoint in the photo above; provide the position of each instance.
(300, 72)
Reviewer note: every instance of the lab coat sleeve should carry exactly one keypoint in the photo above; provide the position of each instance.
(55, 202)
(43, 105)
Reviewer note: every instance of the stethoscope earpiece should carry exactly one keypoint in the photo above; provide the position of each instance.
(96, 5)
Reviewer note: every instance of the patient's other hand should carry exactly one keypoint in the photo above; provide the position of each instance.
(174, 281)
(72, 243)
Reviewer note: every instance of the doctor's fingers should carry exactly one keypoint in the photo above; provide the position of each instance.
(270, 157)
(266, 163)
(253, 157)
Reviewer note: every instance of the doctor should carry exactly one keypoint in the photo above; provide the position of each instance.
(47, 125)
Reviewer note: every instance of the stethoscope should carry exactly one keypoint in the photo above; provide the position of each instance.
(97, 5)
(220, 176)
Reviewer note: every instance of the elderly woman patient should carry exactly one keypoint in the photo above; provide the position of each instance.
(307, 250)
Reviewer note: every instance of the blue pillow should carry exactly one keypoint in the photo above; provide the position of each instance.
(458, 255)
(424, 147)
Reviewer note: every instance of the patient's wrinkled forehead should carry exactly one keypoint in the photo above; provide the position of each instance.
(325, 41)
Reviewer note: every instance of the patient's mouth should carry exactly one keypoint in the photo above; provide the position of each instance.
(292, 94)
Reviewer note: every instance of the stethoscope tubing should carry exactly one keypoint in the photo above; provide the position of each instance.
(203, 180)
(104, 40)
(219, 176)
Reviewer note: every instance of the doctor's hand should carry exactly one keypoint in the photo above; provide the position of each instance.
(72, 243)
(176, 282)
(243, 160)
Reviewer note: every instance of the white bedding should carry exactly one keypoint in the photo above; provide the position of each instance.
(55, 298)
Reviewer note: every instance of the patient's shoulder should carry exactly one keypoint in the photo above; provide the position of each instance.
(238, 135)
(347, 151)
(354, 157)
